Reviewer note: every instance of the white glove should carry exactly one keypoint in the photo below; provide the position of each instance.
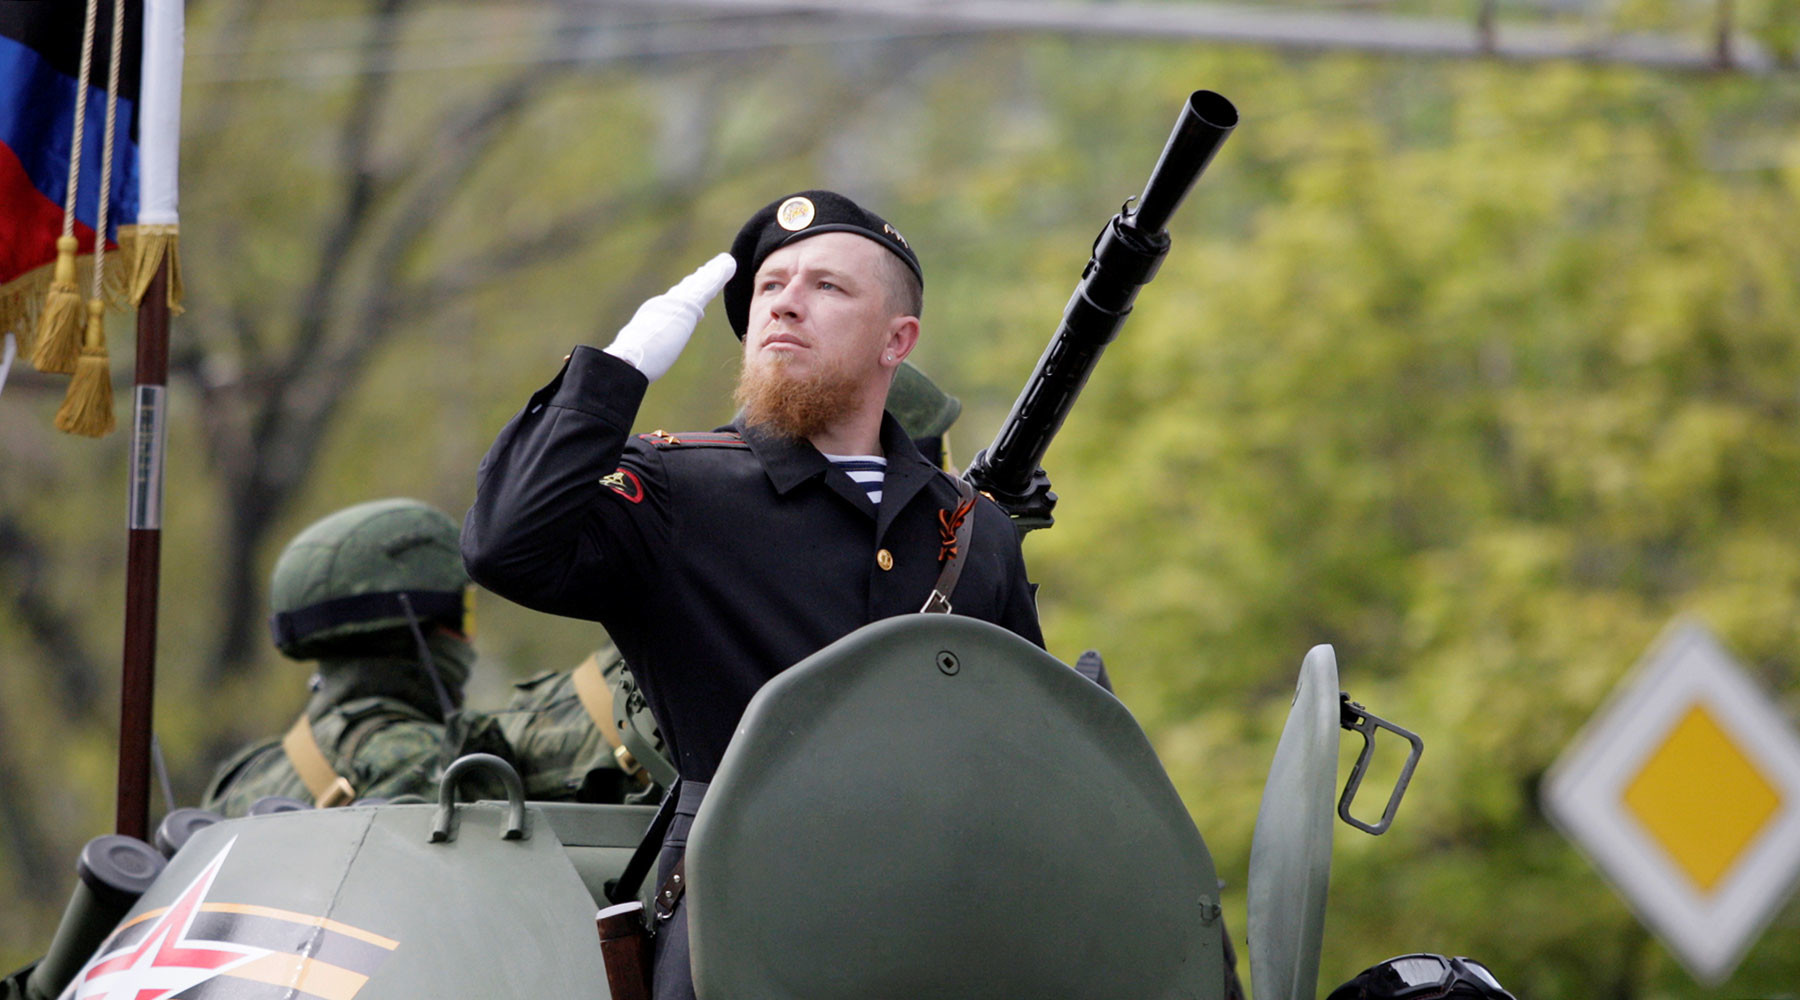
(662, 325)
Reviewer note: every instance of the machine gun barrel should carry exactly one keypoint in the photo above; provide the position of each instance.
(1125, 257)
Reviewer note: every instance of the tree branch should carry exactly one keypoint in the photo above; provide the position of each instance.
(76, 675)
(373, 85)
(32, 856)
(310, 384)
(496, 263)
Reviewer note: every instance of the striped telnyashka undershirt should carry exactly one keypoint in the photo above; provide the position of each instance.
(867, 470)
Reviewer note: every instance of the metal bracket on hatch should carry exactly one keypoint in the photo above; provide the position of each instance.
(445, 821)
(1358, 719)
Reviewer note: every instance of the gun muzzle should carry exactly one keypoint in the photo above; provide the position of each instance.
(1126, 256)
(1200, 130)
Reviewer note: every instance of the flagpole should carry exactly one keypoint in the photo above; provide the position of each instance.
(143, 558)
(156, 286)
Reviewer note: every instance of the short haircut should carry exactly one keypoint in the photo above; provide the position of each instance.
(905, 294)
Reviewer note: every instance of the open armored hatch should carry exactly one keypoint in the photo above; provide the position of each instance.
(929, 808)
(934, 808)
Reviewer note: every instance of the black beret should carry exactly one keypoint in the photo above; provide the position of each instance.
(794, 218)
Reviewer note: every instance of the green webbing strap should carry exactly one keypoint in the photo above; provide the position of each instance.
(327, 787)
(597, 702)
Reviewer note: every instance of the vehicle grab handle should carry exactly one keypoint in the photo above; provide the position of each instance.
(1358, 719)
(442, 826)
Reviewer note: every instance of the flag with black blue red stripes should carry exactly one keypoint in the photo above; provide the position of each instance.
(40, 58)
(41, 43)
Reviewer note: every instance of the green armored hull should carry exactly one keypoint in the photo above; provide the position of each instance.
(928, 808)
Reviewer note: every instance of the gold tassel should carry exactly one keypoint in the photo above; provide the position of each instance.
(88, 408)
(59, 325)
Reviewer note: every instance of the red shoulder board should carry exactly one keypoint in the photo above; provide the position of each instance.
(687, 439)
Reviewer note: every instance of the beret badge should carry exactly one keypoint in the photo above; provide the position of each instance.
(795, 214)
(800, 216)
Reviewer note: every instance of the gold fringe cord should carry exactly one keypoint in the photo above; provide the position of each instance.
(144, 248)
(88, 408)
(59, 323)
(22, 299)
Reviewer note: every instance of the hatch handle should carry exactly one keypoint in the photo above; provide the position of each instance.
(442, 826)
(1358, 719)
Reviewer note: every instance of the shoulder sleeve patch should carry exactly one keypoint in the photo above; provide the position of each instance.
(625, 483)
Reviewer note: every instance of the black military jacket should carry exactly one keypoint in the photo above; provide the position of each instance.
(714, 563)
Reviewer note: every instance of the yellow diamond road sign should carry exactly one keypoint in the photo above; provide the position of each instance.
(1685, 791)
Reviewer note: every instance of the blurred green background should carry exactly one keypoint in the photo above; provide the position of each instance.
(1480, 370)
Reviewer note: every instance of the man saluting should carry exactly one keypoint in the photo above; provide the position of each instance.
(717, 560)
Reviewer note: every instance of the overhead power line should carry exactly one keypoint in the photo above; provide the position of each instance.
(610, 31)
(307, 53)
(1285, 28)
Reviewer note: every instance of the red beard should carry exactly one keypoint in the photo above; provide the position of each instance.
(775, 399)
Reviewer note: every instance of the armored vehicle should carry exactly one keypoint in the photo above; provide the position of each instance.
(929, 808)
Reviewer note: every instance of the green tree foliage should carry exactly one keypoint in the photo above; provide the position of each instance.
(1496, 378)
(1480, 373)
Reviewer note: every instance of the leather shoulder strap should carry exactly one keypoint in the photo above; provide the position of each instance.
(327, 787)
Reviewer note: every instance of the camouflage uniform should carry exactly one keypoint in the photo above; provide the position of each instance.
(386, 747)
(600, 745)
(562, 756)
(360, 591)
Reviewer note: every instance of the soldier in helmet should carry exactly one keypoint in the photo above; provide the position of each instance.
(377, 595)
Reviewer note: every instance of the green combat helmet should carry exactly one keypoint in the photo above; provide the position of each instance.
(382, 565)
(925, 412)
(377, 594)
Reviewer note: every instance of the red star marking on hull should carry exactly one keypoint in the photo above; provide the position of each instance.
(165, 961)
